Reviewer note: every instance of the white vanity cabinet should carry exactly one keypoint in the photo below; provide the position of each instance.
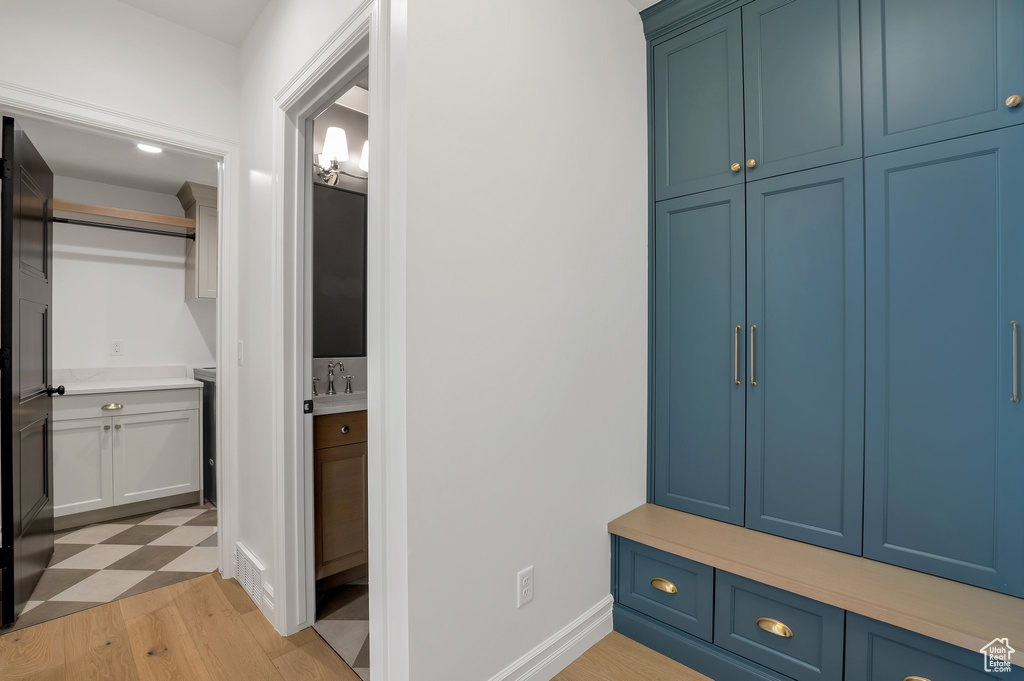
(119, 448)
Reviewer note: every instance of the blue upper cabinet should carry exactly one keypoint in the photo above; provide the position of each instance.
(805, 399)
(938, 69)
(698, 109)
(698, 349)
(944, 467)
(801, 62)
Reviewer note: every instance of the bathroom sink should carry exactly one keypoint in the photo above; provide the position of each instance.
(342, 402)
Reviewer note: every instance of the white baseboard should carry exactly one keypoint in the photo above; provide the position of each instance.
(555, 654)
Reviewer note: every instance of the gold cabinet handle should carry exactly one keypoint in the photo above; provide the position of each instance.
(915, 678)
(1013, 101)
(736, 355)
(773, 626)
(1015, 349)
(752, 328)
(117, 426)
(751, 163)
(113, 406)
(664, 585)
(735, 167)
(106, 427)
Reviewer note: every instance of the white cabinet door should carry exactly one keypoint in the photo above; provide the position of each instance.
(82, 466)
(155, 455)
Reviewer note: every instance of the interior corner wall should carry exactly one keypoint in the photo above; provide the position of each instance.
(527, 317)
(124, 285)
(119, 58)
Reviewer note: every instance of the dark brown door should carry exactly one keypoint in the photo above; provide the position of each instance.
(26, 450)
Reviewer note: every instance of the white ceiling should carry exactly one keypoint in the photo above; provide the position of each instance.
(226, 20)
(639, 4)
(115, 160)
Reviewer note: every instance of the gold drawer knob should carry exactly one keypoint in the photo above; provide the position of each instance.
(112, 406)
(751, 163)
(664, 585)
(1013, 101)
(915, 678)
(773, 626)
(735, 167)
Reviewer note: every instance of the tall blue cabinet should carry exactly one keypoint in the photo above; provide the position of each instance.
(837, 275)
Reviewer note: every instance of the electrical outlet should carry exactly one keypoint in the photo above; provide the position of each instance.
(524, 587)
(241, 359)
(116, 348)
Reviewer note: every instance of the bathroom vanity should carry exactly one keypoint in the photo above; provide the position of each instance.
(339, 486)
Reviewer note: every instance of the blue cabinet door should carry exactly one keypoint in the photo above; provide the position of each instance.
(944, 464)
(698, 109)
(698, 393)
(801, 65)
(805, 296)
(938, 69)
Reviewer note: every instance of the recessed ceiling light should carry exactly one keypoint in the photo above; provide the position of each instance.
(149, 148)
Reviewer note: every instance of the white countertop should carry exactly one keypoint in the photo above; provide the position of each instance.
(339, 404)
(128, 385)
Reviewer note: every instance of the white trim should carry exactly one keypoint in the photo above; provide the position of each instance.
(373, 35)
(558, 652)
(17, 100)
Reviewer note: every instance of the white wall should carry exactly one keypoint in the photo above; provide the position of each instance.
(527, 317)
(122, 285)
(117, 57)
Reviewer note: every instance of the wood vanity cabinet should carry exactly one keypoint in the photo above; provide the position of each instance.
(339, 483)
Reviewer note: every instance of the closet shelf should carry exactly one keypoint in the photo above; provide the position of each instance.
(123, 214)
(960, 614)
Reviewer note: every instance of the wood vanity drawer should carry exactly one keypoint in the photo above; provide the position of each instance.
(791, 634)
(332, 430)
(137, 402)
(674, 590)
(876, 651)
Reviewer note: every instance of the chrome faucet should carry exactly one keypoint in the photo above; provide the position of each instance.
(315, 393)
(330, 376)
(348, 384)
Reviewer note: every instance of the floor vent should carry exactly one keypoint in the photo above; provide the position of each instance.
(250, 573)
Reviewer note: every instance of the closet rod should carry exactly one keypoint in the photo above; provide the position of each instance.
(125, 228)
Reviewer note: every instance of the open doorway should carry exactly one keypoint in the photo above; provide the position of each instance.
(127, 483)
(338, 366)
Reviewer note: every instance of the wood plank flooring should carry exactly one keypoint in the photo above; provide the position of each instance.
(205, 629)
(617, 658)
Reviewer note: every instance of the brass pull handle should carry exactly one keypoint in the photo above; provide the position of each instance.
(736, 355)
(751, 163)
(117, 426)
(106, 427)
(1013, 101)
(752, 328)
(773, 626)
(664, 585)
(344, 429)
(1015, 328)
(113, 406)
(735, 167)
(915, 678)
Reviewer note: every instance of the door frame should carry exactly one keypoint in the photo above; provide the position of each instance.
(373, 37)
(17, 101)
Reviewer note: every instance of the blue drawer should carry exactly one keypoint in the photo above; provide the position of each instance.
(881, 652)
(791, 634)
(685, 597)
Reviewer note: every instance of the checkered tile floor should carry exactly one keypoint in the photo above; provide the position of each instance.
(345, 624)
(102, 563)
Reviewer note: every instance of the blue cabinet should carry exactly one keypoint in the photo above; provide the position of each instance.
(805, 399)
(945, 283)
(938, 69)
(698, 109)
(801, 79)
(876, 651)
(698, 415)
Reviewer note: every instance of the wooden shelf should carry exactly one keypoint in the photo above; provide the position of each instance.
(122, 214)
(956, 613)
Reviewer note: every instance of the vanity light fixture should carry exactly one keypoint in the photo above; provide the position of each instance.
(149, 148)
(364, 159)
(334, 153)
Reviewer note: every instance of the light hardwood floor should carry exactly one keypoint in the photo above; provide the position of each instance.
(617, 658)
(205, 629)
